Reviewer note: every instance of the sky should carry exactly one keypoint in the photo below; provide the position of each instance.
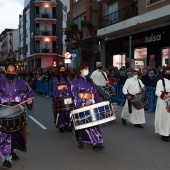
(9, 13)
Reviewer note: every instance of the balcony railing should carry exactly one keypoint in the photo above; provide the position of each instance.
(45, 0)
(43, 33)
(44, 15)
(43, 50)
(118, 16)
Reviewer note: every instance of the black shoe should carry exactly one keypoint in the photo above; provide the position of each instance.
(165, 138)
(6, 165)
(61, 130)
(98, 147)
(15, 157)
(69, 129)
(138, 126)
(123, 121)
(80, 145)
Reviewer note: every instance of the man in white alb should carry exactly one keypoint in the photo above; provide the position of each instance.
(99, 77)
(131, 88)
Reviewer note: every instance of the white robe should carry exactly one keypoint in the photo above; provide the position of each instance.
(137, 116)
(162, 116)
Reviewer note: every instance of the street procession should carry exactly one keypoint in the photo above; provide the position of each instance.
(85, 85)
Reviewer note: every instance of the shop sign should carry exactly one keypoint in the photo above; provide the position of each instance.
(146, 39)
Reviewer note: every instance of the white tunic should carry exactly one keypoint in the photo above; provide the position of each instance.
(162, 116)
(137, 116)
(98, 78)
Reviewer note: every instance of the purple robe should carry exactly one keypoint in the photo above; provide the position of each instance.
(61, 120)
(90, 135)
(15, 91)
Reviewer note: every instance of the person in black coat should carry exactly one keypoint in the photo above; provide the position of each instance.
(145, 78)
(155, 78)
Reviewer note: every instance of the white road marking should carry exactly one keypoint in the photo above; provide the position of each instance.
(37, 122)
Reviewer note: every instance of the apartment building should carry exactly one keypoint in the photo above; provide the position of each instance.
(85, 10)
(41, 33)
(135, 32)
(9, 39)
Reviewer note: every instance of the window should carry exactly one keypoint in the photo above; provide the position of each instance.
(79, 20)
(26, 32)
(27, 17)
(74, 1)
(26, 48)
(21, 23)
(21, 37)
(153, 2)
(112, 13)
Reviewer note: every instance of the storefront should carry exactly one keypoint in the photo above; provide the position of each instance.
(150, 48)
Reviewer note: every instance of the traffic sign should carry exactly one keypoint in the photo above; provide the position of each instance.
(73, 55)
(67, 60)
(67, 55)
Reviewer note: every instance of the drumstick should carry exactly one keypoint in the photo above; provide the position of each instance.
(17, 104)
(93, 102)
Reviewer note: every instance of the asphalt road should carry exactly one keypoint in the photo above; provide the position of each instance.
(126, 147)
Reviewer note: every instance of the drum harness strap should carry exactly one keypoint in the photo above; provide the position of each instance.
(100, 89)
(163, 82)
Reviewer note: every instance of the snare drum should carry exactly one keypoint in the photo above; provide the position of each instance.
(12, 119)
(64, 104)
(93, 115)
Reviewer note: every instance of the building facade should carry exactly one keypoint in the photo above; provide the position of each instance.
(9, 39)
(41, 33)
(135, 33)
(85, 10)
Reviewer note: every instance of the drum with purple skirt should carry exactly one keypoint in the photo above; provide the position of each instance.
(12, 119)
(93, 115)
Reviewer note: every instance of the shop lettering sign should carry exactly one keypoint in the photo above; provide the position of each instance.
(146, 39)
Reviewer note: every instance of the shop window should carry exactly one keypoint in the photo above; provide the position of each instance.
(140, 57)
(153, 2)
(119, 60)
(165, 56)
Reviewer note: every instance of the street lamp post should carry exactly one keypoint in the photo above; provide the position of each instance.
(67, 43)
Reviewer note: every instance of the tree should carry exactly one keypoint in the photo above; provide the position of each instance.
(74, 33)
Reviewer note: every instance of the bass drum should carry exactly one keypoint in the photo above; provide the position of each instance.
(139, 101)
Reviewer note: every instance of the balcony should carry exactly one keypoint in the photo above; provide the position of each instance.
(43, 33)
(45, 0)
(44, 15)
(51, 2)
(42, 50)
(118, 16)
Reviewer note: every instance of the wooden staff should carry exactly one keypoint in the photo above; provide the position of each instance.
(17, 104)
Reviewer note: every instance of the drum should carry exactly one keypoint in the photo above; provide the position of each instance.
(12, 119)
(64, 104)
(139, 101)
(109, 90)
(93, 115)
